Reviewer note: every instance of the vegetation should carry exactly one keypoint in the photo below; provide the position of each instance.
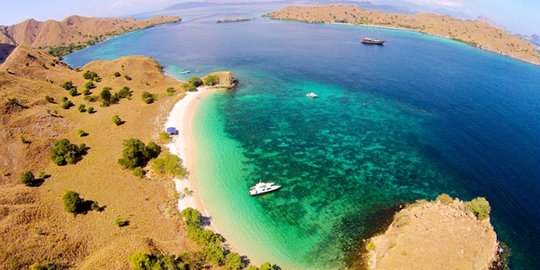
(171, 91)
(479, 207)
(116, 120)
(89, 85)
(189, 87)
(68, 85)
(91, 75)
(64, 152)
(117, 74)
(139, 172)
(66, 103)
(28, 179)
(82, 108)
(211, 80)
(120, 222)
(73, 203)
(106, 96)
(50, 99)
(45, 266)
(127, 77)
(136, 154)
(148, 98)
(60, 51)
(125, 92)
(192, 84)
(164, 137)
(155, 260)
(445, 199)
(90, 110)
(82, 133)
(73, 92)
(168, 165)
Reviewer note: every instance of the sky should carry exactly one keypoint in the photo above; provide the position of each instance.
(521, 16)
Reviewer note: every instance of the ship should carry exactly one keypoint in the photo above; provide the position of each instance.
(263, 188)
(372, 41)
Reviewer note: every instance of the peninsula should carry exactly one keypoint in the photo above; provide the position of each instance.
(476, 33)
(74, 32)
(443, 234)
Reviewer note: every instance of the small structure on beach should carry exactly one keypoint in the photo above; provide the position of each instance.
(172, 131)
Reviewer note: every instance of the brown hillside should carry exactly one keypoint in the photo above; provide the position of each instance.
(33, 223)
(477, 33)
(73, 30)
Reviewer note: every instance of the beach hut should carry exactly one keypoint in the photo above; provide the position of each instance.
(172, 131)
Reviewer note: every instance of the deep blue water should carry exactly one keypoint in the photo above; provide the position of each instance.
(439, 116)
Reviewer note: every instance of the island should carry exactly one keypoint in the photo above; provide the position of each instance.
(480, 34)
(74, 32)
(442, 234)
(233, 20)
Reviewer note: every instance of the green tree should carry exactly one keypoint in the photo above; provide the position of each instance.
(73, 92)
(125, 92)
(116, 120)
(251, 267)
(120, 222)
(142, 261)
(91, 75)
(73, 202)
(106, 96)
(148, 97)
(171, 91)
(50, 99)
(195, 81)
(189, 87)
(89, 85)
(28, 178)
(65, 152)
(214, 255)
(68, 85)
(233, 261)
(117, 74)
(168, 165)
(45, 266)
(445, 199)
(479, 207)
(137, 154)
(91, 110)
(266, 266)
(82, 108)
(211, 80)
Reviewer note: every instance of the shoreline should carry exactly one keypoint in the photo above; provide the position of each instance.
(183, 145)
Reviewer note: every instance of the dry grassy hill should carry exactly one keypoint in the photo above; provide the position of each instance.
(477, 33)
(74, 30)
(442, 234)
(33, 223)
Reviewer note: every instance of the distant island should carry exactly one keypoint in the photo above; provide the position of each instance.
(231, 20)
(443, 234)
(74, 32)
(476, 33)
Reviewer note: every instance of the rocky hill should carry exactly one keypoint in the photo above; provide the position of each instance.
(477, 33)
(76, 30)
(443, 234)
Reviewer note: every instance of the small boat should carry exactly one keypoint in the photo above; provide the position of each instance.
(312, 95)
(372, 41)
(185, 71)
(263, 188)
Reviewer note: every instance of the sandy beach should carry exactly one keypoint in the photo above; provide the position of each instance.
(183, 145)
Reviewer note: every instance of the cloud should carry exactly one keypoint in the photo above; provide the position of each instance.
(439, 3)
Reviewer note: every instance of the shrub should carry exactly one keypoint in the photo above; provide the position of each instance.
(142, 261)
(168, 165)
(106, 96)
(90, 110)
(214, 255)
(148, 97)
(127, 77)
(65, 152)
(251, 267)
(139, 172)
(125, 92)
(233, 261)
(73, 202)
(189, 87)
(164, 137)
(195, 81)
(116, 120)
(91, 98)
(117, 74)
(266, 266)
(171, 91)
(68, 85)
(45, 266)
(479, 207)
(91, 75)
(119, 222)
(73, 92)
(94, 206)
(211, 80)
(50, 99)
(66, 104)
(445, 199)
(82, 133)
(28, 178)
(89, 85)
(82, 108)
(137, 154)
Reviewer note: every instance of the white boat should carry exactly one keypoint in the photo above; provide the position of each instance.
(185, 71)
(312, 95)
(263, 188)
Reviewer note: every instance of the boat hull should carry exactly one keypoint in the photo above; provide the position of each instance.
(373, 42)
(264, 192)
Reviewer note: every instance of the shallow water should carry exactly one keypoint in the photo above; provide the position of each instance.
(420, 116)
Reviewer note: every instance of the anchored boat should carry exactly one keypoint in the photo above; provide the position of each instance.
(263, 188)
(312, 95)
(372, 41)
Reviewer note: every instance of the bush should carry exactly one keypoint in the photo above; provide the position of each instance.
(171, 91)
(139, 172)
(195, 81)
(125, 92)
(445, 199)
(116, 120)
(119, 222)
(136, 154)
(168, 165)
(68, 85)
(189, 87)
(233, 261)
(50, 99)
(89, 85)
(148, 97)
(117, 74)
(266, 266)
(28, 178)
(82, 133)
(214, 255)
(73, 92)
(82, 108)
(164, 137)
(155, 261)
(479, 207)
(45, 266)
(127, 77)
(91, 98)
(73, 202)
(66, 104)
(91, 75)
(90, 110)
(106, 96)
(65, 152)
(94, 206)
(211, 80)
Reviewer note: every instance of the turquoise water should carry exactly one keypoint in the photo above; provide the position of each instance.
(417, 117)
